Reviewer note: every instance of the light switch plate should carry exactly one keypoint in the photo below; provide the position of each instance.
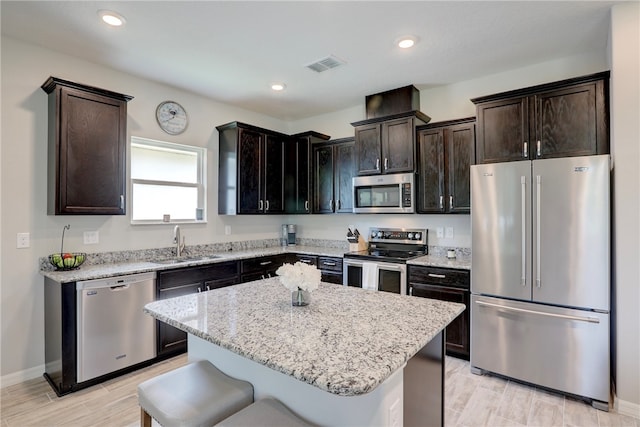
(440, 232)
(23, 240)
(91, 237)
(227, 230)
(449, 233)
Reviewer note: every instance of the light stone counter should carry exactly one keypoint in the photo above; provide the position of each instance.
(98, 271)
(460, 263)
(347, 341)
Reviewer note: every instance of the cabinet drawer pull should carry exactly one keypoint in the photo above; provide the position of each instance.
(266, 262)
(525, 150)
(266, 208)
(122, 201)
(441, 202)
(386, 163)
(437, 276)
(539, 148)
(339, 204)
(260, 205)
(377, 164)
(329, 264)
(331, 204)
(306, 261)
(306, 205)
(450, 202)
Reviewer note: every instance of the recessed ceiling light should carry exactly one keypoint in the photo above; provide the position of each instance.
(112, 18)
(406, 41)
(278, 86)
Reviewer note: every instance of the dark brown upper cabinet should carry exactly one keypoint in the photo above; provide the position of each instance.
(251, 170)
(561, 119)
(333, 169)
(387, 145)
(298, 172)
(445, 153)
(87, 149)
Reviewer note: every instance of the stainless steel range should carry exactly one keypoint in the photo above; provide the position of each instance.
(383, 265)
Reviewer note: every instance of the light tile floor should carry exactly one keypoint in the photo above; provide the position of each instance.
(470, 400)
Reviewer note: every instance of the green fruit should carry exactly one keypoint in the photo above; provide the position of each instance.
(69, 262)
(80, 259)
(56, 258)
(59, 263)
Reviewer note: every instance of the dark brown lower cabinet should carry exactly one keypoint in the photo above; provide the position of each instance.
(446, 285)
(262, 267)
(185, 281)
(330, 267)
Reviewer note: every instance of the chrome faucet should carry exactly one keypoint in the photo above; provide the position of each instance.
(176, 240)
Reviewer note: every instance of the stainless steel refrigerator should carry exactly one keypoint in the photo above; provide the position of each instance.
(540, 273)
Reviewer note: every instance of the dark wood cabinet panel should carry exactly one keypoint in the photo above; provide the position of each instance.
(559, 119)
(447, 285)
(334, 168)
(445, 154)
(298, 172)
(87, 146)
(261, 267)
(387, 145)
(503, 131)
(398, 150)
(186, 281)
(250, 170)
(343, 175)
(368, 152)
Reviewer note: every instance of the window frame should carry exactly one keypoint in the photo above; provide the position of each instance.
(200, 185)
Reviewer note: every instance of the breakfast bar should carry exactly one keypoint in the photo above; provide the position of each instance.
(351, 357)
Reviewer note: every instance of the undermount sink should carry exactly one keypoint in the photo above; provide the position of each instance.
(184, 259)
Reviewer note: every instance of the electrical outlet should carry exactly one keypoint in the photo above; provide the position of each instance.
(227, 230)
(23, 241)
(91, 237)
(449, 233)
(394, 414)
(440, 232)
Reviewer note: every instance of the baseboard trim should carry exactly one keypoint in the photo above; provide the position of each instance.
(21, 376)
(626, 408)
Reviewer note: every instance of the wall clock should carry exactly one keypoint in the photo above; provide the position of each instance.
(171, 117)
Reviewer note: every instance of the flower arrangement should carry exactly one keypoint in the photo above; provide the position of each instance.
(299, 276)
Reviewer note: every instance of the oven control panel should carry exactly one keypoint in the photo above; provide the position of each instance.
(398, 235)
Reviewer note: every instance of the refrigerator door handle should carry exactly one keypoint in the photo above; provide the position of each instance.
(524, 310)
(538, 222)
(523, 201)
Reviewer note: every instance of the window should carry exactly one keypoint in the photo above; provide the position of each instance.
(167, 179)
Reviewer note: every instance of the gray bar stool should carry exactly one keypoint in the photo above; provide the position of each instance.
(266, 412)
(197, 394)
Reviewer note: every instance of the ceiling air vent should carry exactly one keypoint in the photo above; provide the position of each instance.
(325, 64)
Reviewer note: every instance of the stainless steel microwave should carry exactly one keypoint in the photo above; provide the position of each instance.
(391, 193)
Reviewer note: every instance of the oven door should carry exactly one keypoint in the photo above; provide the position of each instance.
(375, 275)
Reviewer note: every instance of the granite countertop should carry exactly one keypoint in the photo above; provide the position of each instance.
(460, 263)
(98, 271)
(346, 342)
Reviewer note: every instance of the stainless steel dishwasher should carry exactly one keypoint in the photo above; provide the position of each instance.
(113, 331)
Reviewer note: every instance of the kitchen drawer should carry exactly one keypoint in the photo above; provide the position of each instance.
(184, 276)
(439, 276)
(330, 264)
(261, 263)
(307, 259)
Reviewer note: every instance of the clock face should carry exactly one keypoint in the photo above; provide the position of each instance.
(171, 117)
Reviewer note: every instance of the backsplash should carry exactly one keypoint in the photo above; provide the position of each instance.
(203, 250)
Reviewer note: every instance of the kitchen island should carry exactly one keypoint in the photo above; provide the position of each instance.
(352, 357)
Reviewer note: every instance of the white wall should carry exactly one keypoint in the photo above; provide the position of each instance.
(625, 148)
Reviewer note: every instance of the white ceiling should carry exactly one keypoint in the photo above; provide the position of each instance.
(231, 51)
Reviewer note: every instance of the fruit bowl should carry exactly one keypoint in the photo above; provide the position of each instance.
(67, 261)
